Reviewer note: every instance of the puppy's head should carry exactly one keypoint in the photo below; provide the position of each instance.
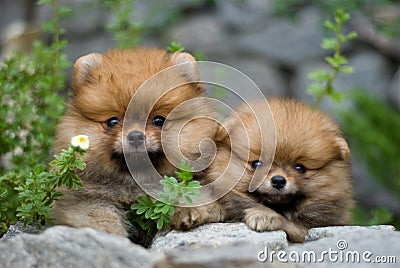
(123, 109)
(311, 159)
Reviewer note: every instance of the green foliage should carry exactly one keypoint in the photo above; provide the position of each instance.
(30, 105)
(374, 10)
(9, 200)
(65, 165)
(373, 130)
(323, 80)
(156, 215)
(35, 191)
(30, 101)
(375, 216)
(175, 47)
(126, 33)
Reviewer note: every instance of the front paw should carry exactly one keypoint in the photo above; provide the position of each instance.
(295, 233)
(263, 220)
(186, 218)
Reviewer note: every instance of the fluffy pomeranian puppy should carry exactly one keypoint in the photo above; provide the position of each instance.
(306, 184)
(123, 100)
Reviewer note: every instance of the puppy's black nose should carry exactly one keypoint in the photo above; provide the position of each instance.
(136, 138)
(278, 182)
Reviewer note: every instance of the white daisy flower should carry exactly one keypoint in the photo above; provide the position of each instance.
(81, 141)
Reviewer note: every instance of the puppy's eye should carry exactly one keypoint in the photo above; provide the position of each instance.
(300, 168)
(112, 122)
(158, 120)
(256, 164)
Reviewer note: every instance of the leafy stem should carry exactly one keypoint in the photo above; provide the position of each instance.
(323, 80)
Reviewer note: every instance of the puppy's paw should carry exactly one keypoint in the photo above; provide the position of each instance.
(263, 219)
(186, 218)
(295, 233)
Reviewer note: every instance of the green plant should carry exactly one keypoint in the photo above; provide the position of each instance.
(126, 33)
(374, 216)
(36, 190)
(175, 47)
(323, 80)
(373, 129)
(379, 12)
(156, 215)
(30, 101)
(9, 200)
(30, 104)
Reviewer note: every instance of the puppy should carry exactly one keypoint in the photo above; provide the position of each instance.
(306, 183)
(124, 101)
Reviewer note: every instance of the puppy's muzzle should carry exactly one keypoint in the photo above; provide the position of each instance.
(136, 138)
(278, 182)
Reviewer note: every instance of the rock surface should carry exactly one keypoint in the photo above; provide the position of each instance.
(212, 245)
(219, 235)
(21, 228)
(61, 246)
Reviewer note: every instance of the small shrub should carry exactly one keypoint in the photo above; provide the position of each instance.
(33, 193)
(156, 215)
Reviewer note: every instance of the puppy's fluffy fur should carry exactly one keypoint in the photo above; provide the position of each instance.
(103, 86)
(308, 185)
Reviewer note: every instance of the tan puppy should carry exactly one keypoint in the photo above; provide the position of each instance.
(103, 86)
(308, 185)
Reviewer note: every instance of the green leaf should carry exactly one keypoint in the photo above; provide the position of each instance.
(135, 206)
(159, 208)
(315, 90)
(175, 47)
(329, 43)
(141, 210)
(154, 216)
(330, 26)
(346, 69)
(165, 209)
(63, 11)
(187, 199)
(171, 211)
(168, 181)
(194, 184)
(352, 35)
(148, 213)
(331, 61)
(320, 75)
(160, 223)
(336, 96)
(339, 59)
(166, 220)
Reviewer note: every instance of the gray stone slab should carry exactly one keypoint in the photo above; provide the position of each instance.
(218, 235)
(61, 246)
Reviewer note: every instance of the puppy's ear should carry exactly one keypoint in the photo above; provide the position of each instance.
(82, 67)
(344, 148)
(188, 65)
(224, 129)
(221, 134)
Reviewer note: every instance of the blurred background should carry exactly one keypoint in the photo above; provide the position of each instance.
(277, 43)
